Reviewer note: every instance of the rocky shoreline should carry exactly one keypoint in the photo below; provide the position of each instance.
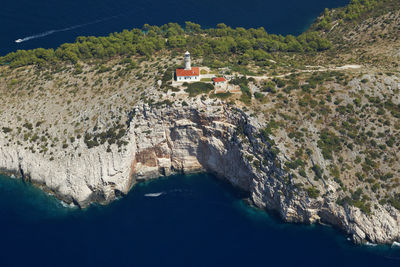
(205, 136)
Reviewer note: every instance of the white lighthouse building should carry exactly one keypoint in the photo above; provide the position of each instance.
(187, 74)
(188, 64)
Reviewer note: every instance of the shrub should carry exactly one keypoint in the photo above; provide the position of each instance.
(269, 87)
(28, 125)
(258, 96)
(246, 95)
(279, 82)
(395, 202)
(390, 142)
(269, 130)
(318, 171)
(329, 143)
(312, 192)
(356, 201)
(387, 176)
(242, 81)
(302, 172)
(198, 88)
(295, 164)
(6, 130)
(222, 95)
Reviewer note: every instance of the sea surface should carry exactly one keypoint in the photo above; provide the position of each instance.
(194, 220)
(52, 22)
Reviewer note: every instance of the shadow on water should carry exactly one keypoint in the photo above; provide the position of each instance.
(195, 220)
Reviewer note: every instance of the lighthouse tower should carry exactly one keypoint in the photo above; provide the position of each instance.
(188, 73)
(188, 65)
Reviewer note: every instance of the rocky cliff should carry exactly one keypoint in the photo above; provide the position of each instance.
(204, 136)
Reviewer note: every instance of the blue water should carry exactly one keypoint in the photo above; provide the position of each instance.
(197, 221)
(23, 18)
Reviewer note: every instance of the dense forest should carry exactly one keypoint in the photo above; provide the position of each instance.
(220, 43)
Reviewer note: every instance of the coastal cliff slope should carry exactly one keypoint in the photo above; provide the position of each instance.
(311, 132)
(201, 138)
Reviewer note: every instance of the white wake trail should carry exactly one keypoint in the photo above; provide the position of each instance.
(43, 34)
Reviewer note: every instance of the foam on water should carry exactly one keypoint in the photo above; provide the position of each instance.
(154, 194)
(47, 33)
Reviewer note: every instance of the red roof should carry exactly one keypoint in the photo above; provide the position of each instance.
(195, 71)
(219, 80)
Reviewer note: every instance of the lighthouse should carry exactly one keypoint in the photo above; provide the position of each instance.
(188, 65)
(187, 73)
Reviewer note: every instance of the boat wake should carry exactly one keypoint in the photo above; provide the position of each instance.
(154, 194)
(43, 34)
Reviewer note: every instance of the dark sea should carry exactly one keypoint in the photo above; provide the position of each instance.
(63, 21)
(197, 220)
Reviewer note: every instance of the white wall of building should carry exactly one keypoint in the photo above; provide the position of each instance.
(188, 78)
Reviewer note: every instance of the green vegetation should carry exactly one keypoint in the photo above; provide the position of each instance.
(318, 171)
(395, 201)
(269, 130)
(295, 164)
(222, 95)
(269, 87)
(198, 88)
(258, 96)
(113, 136)
(246, 95)
(329, 143)
(312, 192)
(219, 44)
(353, 11)
(6, 130)
(358, 200)
(28, 125)
(356, 128)
(241, 81)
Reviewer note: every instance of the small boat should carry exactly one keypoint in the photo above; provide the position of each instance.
(19, 41)
(153, 194)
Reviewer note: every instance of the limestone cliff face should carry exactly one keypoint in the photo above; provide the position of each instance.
(205, 136)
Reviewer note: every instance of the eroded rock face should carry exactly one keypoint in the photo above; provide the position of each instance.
(189, 140)
(206, 136)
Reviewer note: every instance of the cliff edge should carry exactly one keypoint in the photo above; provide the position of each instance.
(208, 136)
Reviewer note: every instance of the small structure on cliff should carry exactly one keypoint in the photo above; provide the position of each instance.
(188, 73)
(219, 81)
(220, 85)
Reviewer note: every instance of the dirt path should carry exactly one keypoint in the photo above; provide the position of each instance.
(320, 69)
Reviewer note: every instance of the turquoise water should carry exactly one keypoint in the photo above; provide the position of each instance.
(198, 220)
